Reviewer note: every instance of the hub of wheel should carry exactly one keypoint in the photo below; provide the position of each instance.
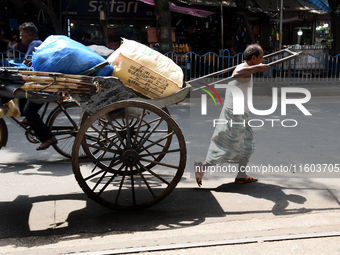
(130, 158)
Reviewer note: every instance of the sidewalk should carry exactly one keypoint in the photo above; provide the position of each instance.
(220, 211)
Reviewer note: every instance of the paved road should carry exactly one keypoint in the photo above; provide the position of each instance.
(43, 210)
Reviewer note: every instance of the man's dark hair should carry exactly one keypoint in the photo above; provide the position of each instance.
(324, 41)
(251, 50)
(30, 28)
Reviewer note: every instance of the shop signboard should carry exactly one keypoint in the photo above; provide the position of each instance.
(116, 8)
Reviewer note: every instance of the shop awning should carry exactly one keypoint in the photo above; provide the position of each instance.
(317, 6)
(184, 10)
(225, 3)
(322, 4)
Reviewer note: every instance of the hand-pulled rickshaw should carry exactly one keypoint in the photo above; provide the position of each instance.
(128, 152)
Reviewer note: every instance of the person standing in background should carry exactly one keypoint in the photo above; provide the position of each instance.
(12, 45)
(3, 41)
(29, 36)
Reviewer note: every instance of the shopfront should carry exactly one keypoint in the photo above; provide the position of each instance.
(127, 19)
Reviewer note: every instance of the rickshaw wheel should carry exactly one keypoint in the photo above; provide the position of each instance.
(140, 155)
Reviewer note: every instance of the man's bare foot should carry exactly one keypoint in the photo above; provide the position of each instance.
(198, 173)
(248, 179)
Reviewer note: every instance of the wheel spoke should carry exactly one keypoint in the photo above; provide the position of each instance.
(121, 184)
(139, 126)
(100, 133)
(156, 142)
(93, 175)
(133, 188)
(150, 154)
(100, 148)
(128, 135)
(159, 153)
(106, 170)
(147, 137)
(154, 174)
(146, 183)
(103, 132)
(119, 124)
(107, 184)
(99, 181)
(115, 130)
(159, 163)
(148, 140)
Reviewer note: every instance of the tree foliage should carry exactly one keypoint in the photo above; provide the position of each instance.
(48, 6)
(242, 6)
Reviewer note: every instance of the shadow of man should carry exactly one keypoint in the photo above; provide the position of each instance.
(269, 192)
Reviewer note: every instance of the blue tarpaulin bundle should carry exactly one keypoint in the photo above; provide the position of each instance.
(63, 55)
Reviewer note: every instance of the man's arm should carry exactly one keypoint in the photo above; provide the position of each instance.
(244, 70)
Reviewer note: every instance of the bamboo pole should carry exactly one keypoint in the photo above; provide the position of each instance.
(48, 80)
(56, 86)
(75, 76)
(51, 79)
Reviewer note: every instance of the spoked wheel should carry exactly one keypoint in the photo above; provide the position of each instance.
(141, 155)
(3, 133)
(64, 124)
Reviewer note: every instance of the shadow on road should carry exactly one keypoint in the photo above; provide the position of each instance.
(38, 167)
(184, 207)
(269, 192)
(178, 210)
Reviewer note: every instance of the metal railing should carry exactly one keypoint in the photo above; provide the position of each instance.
(11, 55)
(303, 69)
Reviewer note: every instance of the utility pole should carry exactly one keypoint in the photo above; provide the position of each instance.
(222, 36)
(281, 20)
(106, 14)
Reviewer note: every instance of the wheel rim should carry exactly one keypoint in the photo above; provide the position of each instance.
(140, 155)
